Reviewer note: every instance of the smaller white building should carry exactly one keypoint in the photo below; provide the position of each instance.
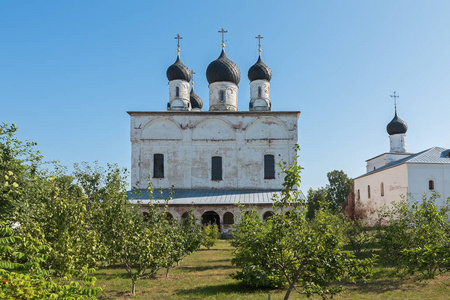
(398, 175)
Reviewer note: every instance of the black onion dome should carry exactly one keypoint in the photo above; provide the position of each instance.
(178, 71)
(259, 71)
(223, 69)
(396, 126)
(196, 101)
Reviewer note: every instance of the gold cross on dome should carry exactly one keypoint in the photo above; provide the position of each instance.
(395, 99)
(223, 36)
(192, 73)
(178, 37)
(259, 37)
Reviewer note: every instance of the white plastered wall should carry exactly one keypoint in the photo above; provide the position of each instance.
(395, 182)
(189, 140)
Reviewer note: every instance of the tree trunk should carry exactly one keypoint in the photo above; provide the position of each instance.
(133, 288)
(167, 272)
(288, 292)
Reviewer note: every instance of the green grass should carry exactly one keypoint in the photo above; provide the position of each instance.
(205, 275)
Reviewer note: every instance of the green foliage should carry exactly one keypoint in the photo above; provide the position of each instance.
(210, 235)
(339, 187)
(34, 282)
(317, 199)
(193, 233)
(358, 236)
(417, 238)
(249, 237)
(307, 253)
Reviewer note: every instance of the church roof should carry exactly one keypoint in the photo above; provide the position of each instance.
(178, 71)
(435, 155)
(396, 126)
(208, 197)
(259, 71)
(223, 69)
(196, 101)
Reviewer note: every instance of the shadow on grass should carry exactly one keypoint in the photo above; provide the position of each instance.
(211, 290)
(204, 268)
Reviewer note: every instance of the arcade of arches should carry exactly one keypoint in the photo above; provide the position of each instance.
(222, 215)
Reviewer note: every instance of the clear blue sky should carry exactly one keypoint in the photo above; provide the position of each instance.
(69, 71)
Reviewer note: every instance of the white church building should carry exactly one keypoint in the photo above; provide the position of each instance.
(398, 175)
(216, 158)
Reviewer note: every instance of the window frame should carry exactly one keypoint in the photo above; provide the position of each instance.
(216, 168)
(269, 170)
(158, 165)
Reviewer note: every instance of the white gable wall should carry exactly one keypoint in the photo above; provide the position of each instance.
(420, 174)
(395, 181)
(188, 141)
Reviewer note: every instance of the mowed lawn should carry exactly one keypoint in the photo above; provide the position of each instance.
(206, 275)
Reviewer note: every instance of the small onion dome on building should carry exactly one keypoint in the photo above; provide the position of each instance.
(223, 69)
(178, 71)
(259, 71)
(196, 101)
(396, 126)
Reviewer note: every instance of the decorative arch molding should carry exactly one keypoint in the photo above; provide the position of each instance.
(161, 129)
(214, 129)
(267, 128)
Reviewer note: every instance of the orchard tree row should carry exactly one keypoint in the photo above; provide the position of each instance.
(315, 247)
(56, 228)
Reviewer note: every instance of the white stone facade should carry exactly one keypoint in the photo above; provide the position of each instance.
(260, 95)
(398, 142)
(223, 96)
(384, 159)
(179, 97)
(189, 140)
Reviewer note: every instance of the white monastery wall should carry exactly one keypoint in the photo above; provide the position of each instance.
(189, 140)
(384, 159)
(395, 186)
(419, 176)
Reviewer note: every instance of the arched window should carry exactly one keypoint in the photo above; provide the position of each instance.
(259, 92)
(158, 165)
(216, 168)
(368, 191)
(382, 189)
(269, 166)
(177, 91)
(222, 96)
(185, 215)
(431, 185)
(267, 214)
(228, 218)
(169, 216)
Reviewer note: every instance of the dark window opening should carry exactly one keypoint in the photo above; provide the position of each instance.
(177, 91)
(267, 214)
(211, 217)
(382, 189)
(216, 168)
(259, 92)
(158, 166)
(269, 166)
(368, 191)
(222, 96)
(431, 185)
(359, 195)
(228, 218)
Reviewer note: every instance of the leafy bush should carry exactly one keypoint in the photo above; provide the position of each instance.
(306, 254)
(210, 235)
(417, 238)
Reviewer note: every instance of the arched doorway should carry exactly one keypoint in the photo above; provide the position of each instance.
(211, 217)
(169, 216)
(267, 214)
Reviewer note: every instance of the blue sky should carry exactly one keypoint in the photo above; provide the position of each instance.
(69, 71)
